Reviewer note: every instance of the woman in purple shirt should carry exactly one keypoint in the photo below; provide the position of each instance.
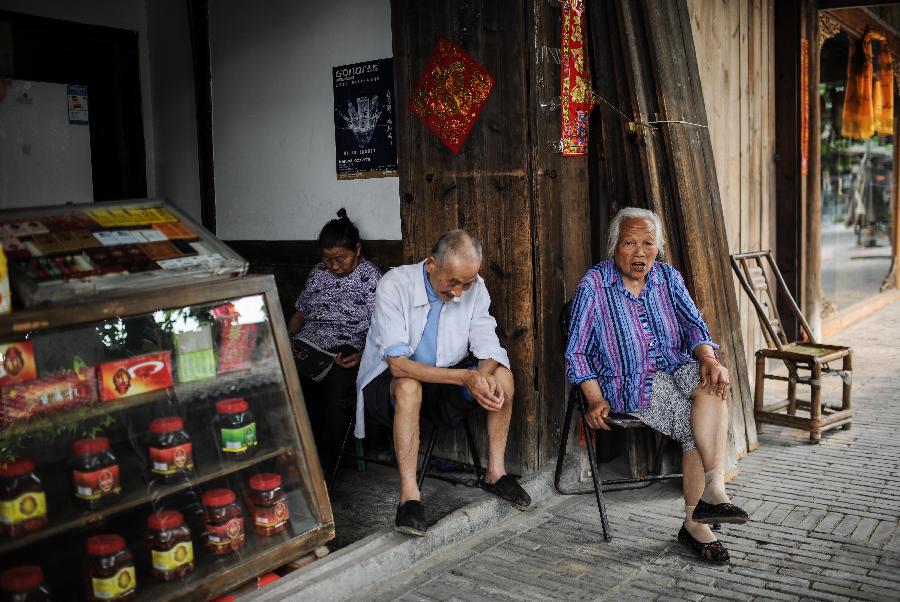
(639, 346)
(333, 313)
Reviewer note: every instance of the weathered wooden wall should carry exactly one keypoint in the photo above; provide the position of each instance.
(734, 44)
(526, 203)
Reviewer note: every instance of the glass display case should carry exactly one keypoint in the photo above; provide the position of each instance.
(155, 446)
(59, 253)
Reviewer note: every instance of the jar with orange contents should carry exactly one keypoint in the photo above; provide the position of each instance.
(109, 569)
(224, 522)
(95, 473)
(23, 505)
(269, 504)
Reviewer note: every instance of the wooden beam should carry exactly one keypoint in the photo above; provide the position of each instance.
(198, 20)
(677, 168)
(480, 188)
(856, 21)
(790, 231)
(841, 4)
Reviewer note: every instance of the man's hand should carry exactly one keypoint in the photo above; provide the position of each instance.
(348, 361)
(714, 376)
(597, 413)
(486, 390)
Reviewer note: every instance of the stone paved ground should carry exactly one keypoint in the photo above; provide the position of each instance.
(824, 521)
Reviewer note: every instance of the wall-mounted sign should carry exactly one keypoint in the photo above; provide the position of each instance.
(364, 120)
(78, 104)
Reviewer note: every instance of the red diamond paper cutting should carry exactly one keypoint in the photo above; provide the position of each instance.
(451, 93)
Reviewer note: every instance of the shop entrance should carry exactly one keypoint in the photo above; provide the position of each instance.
(856, 188)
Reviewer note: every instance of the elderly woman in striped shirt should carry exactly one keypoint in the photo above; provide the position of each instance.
(638, 345)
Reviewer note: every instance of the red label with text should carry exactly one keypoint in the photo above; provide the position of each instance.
(271, 516)
(94, 485)
(169, 460)
(224, 536)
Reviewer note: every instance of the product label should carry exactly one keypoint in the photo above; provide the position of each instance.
(93, 485)
(169, 460)
(180, 555)
(27, 506)
(239, 439)
(222, 536)
(119, 585)
(271, 516)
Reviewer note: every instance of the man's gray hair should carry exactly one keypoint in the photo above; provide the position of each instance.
(456, 243)
(634, 213)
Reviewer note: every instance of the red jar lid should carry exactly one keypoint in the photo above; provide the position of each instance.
(16, 468)
(265, 481)
(21, 578)
(88, 447)
(167, 519)
(105, 545)
(166, 424)
(235, 405)
(218, 497)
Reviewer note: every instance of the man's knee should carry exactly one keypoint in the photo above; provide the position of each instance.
(505, 378)
(407, 393)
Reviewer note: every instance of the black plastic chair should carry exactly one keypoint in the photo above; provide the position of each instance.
(426, 459)
(623, 421)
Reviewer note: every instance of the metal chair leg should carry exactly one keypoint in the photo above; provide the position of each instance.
(473, 450)
(426, 460)
(563, 444)
(337, 462)
(595, 471)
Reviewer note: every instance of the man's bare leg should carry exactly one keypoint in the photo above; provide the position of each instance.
(498, 427)
(407, 393)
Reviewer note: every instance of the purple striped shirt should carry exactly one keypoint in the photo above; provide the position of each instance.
(621, 340)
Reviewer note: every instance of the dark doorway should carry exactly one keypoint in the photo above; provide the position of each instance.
(106, 61)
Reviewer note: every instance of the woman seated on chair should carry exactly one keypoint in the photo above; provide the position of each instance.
(334, 311)
(638, 345)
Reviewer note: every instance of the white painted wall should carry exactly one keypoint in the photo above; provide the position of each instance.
(174, 160)
(44, 159)
(273, 117)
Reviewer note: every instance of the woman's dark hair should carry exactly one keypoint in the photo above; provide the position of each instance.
(339, 232)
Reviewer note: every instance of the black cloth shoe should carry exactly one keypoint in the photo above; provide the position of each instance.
(509, 489)
(713, 551)
(411, 519)
(708, 514)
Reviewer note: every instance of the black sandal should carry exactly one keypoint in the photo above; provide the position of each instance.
(708, 514)
(713, 551)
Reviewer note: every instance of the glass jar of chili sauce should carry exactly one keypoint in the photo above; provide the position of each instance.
(24, 584)
(171, 452)
(235, 428)
(224, 522)
(171, 548)
(95, 473)
(23, 505)
(109, 569)
(268, 500)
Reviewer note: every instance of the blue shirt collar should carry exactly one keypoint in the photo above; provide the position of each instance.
(429, 290)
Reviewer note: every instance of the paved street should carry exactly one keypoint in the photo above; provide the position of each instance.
(825, 521)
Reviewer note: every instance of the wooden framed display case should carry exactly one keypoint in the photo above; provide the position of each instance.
(112, 369)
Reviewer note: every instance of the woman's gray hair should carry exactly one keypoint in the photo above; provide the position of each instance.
(634, 213)
(456, 243)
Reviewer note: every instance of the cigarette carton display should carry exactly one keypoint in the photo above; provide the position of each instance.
(135, 375)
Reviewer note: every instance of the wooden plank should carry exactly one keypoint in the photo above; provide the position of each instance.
(813, 295)
(680, 156)
(484, 188)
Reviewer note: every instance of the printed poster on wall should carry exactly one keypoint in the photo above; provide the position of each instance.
(364, 120)
(78, 104)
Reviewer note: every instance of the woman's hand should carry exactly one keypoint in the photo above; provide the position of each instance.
(348, 361)
(597, 413)
(714, 376)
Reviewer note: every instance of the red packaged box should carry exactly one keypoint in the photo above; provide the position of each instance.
(23, 401)
(17, 362)
(135, 375)
(236, 341)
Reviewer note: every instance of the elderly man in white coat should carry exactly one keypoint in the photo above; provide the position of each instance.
(429, 318)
